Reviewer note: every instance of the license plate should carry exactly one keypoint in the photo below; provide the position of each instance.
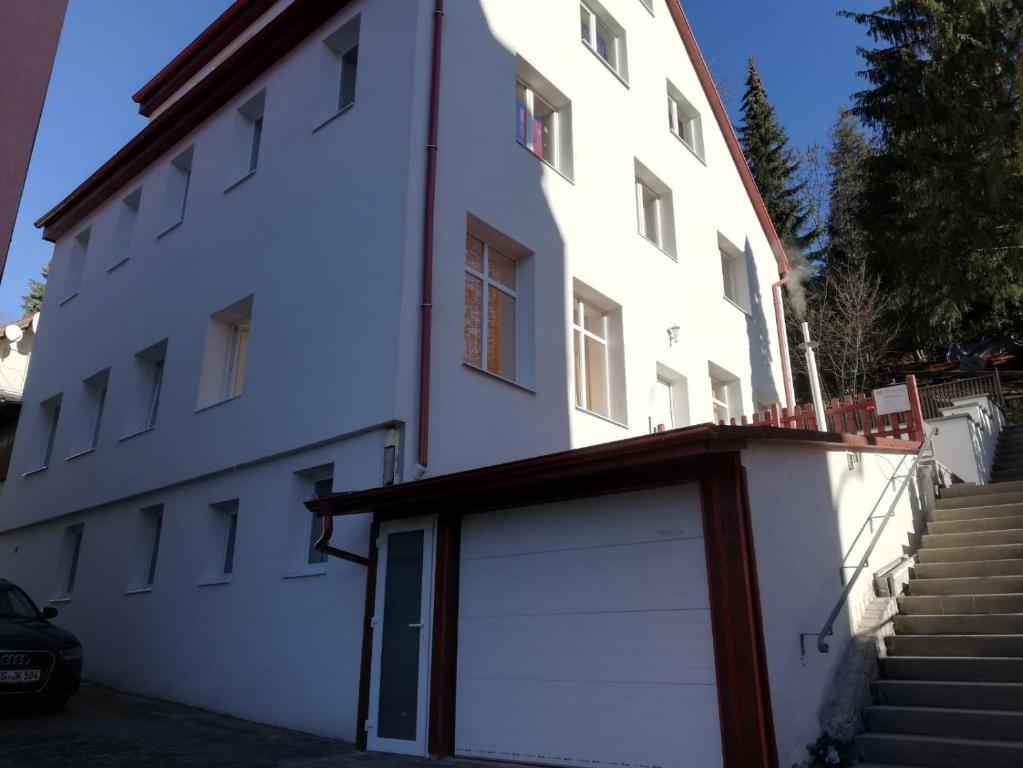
(19, 675)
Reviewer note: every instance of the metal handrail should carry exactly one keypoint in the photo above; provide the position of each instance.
(829, 626)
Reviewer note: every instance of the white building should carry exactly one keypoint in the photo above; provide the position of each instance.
(235, 316)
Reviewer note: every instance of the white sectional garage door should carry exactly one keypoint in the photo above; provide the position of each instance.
(584, 635)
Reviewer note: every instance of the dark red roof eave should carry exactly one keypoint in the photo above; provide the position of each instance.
(675, 452)
(226, 28)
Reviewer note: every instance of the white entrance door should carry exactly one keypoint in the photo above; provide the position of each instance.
(400, 675)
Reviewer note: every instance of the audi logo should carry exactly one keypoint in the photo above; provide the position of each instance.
(15, 660)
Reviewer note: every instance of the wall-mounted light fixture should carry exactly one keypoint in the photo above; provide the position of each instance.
(673, 335)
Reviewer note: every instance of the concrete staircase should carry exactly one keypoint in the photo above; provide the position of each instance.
(951, 688)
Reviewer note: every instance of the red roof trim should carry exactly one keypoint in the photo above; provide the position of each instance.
(676, 454)
(717, 106)
(238, 17)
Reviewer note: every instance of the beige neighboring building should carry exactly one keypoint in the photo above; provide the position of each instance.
(16, 342)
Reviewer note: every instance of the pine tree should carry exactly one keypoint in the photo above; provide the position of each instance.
(773, 165)
(32, 301)
(847, 158)
(943, 201)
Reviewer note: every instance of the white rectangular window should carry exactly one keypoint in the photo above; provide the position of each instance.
(76, 264)
(248, 138)
(146, 389)
(179, 182)
(227, 513)
(51, 419)
(237, 356)
(156, 385)
(67, 570)
(604, 36)
(127, 219)
(684, 120)
(725, 394)
(97, 388)
(340, 69)
(655, 212)
(664, 412)
(543, 118)
(225, 360)
(592, 362)
(734, 277)
(489, 338)
(320, 489)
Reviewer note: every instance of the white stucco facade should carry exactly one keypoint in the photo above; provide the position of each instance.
(321, 245)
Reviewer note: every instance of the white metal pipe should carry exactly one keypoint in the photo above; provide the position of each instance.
(815, 381)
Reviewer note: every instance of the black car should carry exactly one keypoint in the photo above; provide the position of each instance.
(38, 660)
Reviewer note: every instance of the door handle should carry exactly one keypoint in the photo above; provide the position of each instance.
(416, 626)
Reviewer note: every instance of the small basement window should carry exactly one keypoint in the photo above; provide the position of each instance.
(604, 37)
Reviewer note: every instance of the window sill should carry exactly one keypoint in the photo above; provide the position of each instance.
(60, 600)
(334, 116)
(671, 256)
(36, 471)
(649, 8)
(214, 582)
(78, 455)
(171, 228)
(686, 144)
(603, 61)
(737, 305)
(66, 299)
(135, 434)
(238, 182)
(219, 402)
(491, 375)
(595, 415)
(550, 165)
(139, 591)
(117, 264)
(315, 569)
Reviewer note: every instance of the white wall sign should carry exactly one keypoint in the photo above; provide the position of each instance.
(892, 399)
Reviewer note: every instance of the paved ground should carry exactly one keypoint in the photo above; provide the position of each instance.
(101, 727)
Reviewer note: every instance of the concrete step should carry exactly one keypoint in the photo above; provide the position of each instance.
(974, 513)
(961, 624)
(944, 605)
(977, 539)
(936, 752)
(998, 523)
(1001, 646)
(998, 496)
(951, 723)
(967, 569)
(970, 554)
(978, 585)
(958, 669)
(944, 693)
(961, 490)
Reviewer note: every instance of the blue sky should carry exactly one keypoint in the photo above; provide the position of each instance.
(109, 48)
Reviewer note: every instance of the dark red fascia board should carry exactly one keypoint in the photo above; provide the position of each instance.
(668, 457)
(717, 106)
(238, 17)
(236, 72)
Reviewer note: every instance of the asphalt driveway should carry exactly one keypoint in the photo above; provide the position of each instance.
(101, 727)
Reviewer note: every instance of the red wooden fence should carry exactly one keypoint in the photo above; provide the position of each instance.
(857, 416)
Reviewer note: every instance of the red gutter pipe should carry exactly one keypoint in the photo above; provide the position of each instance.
(783, 341)
(426, 306)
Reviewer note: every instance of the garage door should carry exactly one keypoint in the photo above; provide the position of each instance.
(584, 634)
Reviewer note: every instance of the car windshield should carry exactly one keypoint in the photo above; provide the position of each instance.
(15, 604)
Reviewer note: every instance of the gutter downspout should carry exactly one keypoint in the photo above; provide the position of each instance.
(426, 306)
(783, 341)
